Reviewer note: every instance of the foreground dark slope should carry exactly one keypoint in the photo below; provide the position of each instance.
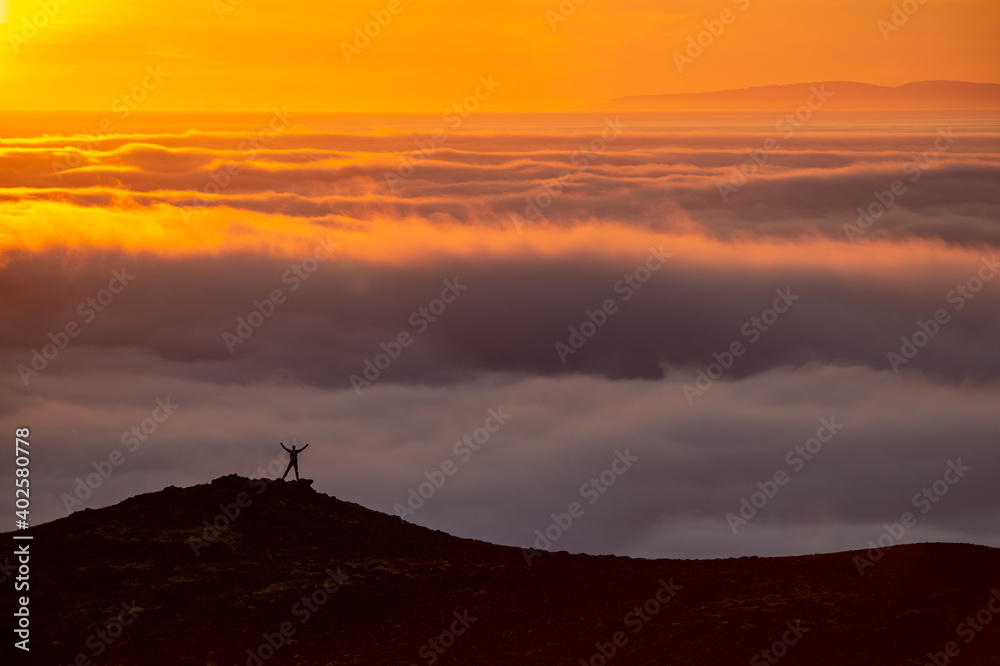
(403, 585)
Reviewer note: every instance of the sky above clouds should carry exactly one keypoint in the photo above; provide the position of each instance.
(428, 55)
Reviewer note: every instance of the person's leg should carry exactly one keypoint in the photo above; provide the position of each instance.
(287, 469)
(296, 472)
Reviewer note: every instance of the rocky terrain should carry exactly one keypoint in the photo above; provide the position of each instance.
(243, 571)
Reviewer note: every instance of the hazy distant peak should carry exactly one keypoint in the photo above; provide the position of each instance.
(843, 96)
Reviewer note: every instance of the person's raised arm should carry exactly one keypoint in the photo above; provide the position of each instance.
(305, 447)
(284, 447)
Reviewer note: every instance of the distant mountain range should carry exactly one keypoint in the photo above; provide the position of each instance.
(260, 572)
(840, 96)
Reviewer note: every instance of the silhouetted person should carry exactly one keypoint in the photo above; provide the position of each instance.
(294, 460)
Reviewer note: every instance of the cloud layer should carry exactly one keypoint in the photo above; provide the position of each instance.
(611, 284)
(733, 177)
(694, 464)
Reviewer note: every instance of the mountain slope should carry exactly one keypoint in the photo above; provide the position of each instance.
(843, 96)
(204, 597)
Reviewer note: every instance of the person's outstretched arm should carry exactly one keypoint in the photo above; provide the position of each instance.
(284, 447)
(304, 447)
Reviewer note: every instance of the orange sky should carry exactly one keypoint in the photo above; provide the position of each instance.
(266, 53)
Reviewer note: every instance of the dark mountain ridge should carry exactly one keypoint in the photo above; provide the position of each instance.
(245, 571)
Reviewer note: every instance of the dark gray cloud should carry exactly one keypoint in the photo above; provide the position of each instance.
(512, 312)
